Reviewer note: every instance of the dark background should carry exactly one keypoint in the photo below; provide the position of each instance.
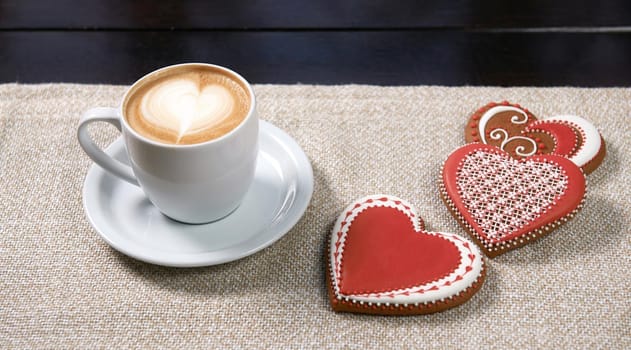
(406, 42)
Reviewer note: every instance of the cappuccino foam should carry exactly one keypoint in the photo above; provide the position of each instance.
(187, 105)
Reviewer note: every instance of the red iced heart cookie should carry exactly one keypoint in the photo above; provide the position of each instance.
(505, 203)
(517, 131)
(382, 261)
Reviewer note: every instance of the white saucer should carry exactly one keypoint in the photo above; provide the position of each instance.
(128, 222)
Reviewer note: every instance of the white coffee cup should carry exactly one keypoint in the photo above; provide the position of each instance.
(194, 183)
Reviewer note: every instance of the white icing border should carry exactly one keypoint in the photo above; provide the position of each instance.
(409, 295)
(591, 138)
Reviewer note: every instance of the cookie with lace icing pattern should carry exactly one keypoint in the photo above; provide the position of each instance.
(381, 260)
(504, 203)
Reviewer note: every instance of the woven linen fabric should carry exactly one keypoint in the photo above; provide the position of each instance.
(62, 286)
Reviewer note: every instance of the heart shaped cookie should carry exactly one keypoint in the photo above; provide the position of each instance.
(382, 261)
(504, 203)
(517, 131)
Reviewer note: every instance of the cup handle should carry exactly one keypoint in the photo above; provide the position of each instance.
(108, 115)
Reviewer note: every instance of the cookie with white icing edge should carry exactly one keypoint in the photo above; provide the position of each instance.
(382, 261)
(504, 203)
(517, 131)
(591, 151)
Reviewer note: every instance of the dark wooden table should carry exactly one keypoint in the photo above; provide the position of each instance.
(405, 42)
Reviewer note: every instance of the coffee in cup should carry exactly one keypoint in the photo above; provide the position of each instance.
(187, 105)
(191, 136)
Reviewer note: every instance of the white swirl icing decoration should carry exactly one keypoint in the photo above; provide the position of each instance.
(516, 119)
(181, 106)
(520, 118)
(591, 138)
(500, 134)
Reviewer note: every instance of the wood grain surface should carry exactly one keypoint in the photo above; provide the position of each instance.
(532, 43)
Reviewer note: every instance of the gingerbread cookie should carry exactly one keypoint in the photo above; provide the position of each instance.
(517, 131)
(503, 202)
(382, 261)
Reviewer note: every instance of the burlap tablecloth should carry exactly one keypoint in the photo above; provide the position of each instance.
(61, 286)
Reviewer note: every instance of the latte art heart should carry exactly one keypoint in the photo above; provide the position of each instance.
(181, 106)
(187, 105)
